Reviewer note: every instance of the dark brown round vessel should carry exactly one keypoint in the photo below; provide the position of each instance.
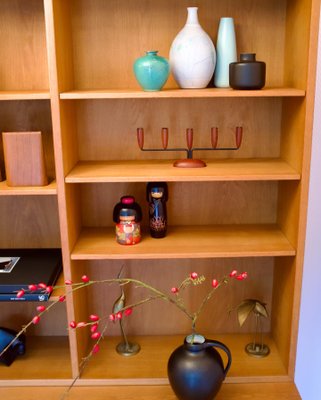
(247, 74)
(195, 369)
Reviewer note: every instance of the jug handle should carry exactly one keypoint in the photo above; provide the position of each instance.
(215, 343)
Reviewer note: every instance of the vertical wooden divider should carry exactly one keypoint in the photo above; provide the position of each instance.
(60, 75)
(296, 149)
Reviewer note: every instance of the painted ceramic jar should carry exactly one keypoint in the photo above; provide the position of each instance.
(151, 71)
(192, 55)
(127, 216)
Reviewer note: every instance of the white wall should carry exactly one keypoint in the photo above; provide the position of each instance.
(308, 365)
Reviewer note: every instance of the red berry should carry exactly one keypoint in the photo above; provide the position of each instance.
(244, 274)
(49, 289)
(94, 328)
(95, 349)
(35, 319)
(128, 311)
(194, 275)
(119, 315)
(94, 317)
(240, 277)
(174, 290)
(96, 335)
(85, 278)
(41, 308)
(20, 293)
(62, 298)
(112, 317)
(233, 273)
(68, 282)
(215, 283)
(32, 287)
(73, 324)
(42, 285)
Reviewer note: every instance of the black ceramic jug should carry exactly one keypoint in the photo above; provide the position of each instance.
(195, 369)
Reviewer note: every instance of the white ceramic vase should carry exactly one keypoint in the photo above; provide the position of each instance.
(192, 55)
(226, 52)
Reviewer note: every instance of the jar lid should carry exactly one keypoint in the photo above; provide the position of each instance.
(248, 57)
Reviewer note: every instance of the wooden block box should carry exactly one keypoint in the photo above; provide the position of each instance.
(24, 159)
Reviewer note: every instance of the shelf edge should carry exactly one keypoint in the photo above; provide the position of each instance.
(180, 93)
(49, 190)
(25, 95)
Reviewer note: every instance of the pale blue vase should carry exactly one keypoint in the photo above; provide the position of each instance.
(225, 51)
(151, 71)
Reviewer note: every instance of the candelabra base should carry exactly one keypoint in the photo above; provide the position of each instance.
(257, 350)
(189, 163)
(127, 349)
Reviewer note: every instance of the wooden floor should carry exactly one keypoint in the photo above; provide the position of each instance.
(263, 391)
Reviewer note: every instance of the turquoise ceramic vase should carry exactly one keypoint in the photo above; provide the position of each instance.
(151, 71)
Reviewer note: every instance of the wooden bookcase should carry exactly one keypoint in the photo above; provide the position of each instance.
(66, 70)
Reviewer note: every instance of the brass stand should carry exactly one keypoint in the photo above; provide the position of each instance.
(257, 349)
(124, 348)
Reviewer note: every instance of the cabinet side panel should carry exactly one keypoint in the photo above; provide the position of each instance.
(188, 203)
(293, 200)
(63, 44)
(69, 139)
(23, 61)
(297, 34)
(104, 55)
(17, 116)
(158, 317)
(283, 289)
(107, 129)
(78, 311)
(29, 222)
(15, 315)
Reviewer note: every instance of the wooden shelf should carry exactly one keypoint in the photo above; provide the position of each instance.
(50, 189)
(150, 364)
(146, 171)
(42, 353)
(147, 367)
(25, 95)
(241, 391)
(179, 93)
(187, 242)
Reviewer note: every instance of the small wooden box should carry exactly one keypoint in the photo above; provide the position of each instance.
(24, 159)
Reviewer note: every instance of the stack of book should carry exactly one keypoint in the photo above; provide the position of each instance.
(20, 268)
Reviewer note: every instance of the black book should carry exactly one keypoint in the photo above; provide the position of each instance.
(21, 267)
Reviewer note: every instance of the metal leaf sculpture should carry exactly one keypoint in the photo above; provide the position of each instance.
(247, 306)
